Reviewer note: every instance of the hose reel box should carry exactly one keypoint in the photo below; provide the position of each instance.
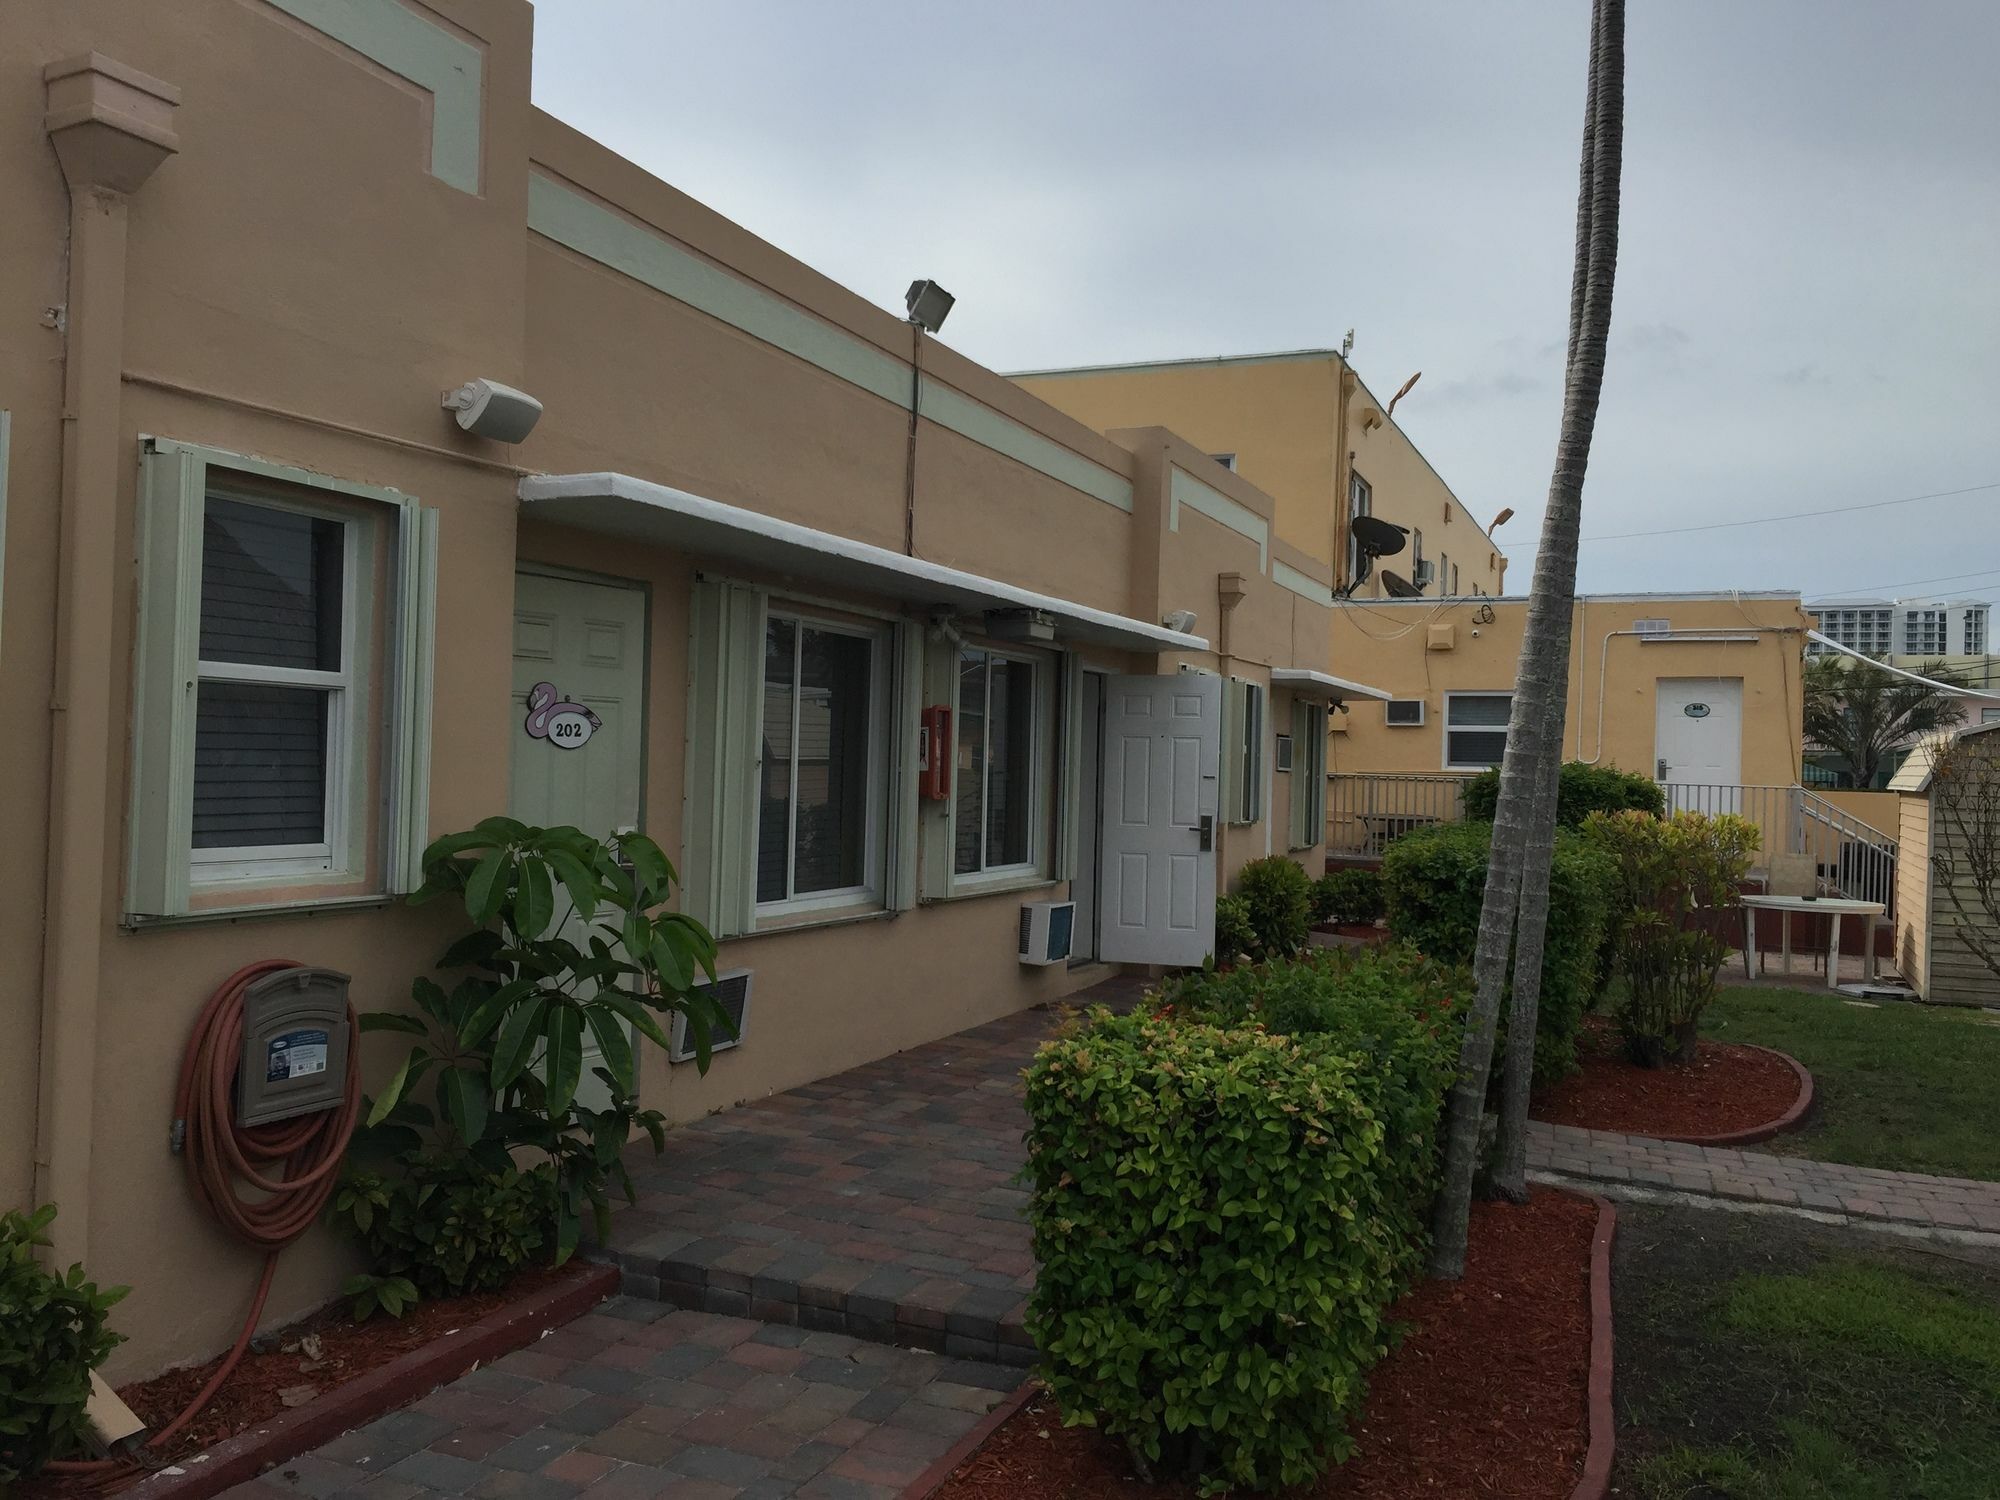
(295, 1045)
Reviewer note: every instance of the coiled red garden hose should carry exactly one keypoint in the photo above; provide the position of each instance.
(306, 1152)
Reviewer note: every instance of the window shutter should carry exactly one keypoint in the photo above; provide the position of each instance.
(725, 756)
(162, 813)
(1069, 766)
(406, 823)
(905, 721)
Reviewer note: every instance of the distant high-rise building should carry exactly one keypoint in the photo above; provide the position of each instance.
(1924, 628)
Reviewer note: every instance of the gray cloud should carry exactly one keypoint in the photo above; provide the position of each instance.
(1812, 211)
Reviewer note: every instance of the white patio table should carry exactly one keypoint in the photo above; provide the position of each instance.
(1832, 907)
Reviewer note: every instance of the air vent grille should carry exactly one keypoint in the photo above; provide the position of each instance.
(731, 990)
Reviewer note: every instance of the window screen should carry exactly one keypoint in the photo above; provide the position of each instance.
(1475, 734)
(817, 790)
(274, 596)
(994, 812)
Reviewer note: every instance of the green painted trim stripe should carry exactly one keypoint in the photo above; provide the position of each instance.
(1187, 490)
(1303, 584)
(981, 423)
(592, 229)
(388, 33)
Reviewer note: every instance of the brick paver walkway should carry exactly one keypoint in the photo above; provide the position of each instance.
(1564, 1152)
(879, 1202)
(638, 1400)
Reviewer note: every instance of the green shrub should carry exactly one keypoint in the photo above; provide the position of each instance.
(1278, 893)
(1391, 1008)
(1351, 895)
(1434, 880)
(446, 1225)
(1216, 1220)
(1582, 791)
(1675, 881)
(53, 1333)
(1234, 936)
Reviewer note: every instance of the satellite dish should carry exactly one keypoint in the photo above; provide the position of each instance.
(1374, 537)
(1400, 587)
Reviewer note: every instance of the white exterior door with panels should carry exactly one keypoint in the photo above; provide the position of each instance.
(1698, 739)
(1162, 756)
(579, 657)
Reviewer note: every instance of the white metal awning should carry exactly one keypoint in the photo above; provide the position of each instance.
(1324, 685)
(620, 505)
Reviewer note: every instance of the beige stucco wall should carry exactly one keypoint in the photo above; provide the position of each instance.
(1610, 717)
(302, 295)
(1280, 415)
(1881, 811)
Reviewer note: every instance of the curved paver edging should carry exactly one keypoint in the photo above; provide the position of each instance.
(381, 1390)
(932, 1479)
(1595, 1483)
(1596, 1480)
(1787, 1121)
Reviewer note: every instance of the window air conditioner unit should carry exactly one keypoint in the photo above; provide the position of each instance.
(1423, 572)
(1403, 713)
(1046, 930)
(731, 991)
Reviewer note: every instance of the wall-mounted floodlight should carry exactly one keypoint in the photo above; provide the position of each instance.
(488, 409)
(929, 303)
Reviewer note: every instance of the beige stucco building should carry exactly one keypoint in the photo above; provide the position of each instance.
(1305, 428)
(271, 619)
(1697, 690)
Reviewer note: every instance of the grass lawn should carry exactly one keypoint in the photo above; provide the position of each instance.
(1763, 1358)
(1907, 1087)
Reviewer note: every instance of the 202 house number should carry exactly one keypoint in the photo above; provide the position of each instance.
(567, 726)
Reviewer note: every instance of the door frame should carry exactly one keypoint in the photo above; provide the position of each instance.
(1093, 828)
(563, 573)
(1698, 677)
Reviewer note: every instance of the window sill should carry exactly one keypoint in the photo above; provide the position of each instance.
(811, 921)
(970, 887)
(303, 906)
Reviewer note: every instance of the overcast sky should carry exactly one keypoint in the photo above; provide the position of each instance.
(1808, 304)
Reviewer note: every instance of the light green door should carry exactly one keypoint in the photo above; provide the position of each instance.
(578, 727)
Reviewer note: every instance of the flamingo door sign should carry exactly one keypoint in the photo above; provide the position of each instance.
(565, 725)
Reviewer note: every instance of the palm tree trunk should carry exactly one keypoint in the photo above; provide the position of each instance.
(1544, 671)
(1510, 1169)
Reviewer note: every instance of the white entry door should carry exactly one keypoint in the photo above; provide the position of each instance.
(578, 727)
(1698, 739)
(1162, 755)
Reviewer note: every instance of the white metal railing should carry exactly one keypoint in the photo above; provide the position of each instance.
(1367, 812)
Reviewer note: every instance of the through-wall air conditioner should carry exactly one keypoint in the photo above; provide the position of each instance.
(731, 991)
(1423, 573)
(1047, 928)
(1403, 713)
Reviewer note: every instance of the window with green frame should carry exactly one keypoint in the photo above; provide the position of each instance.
(272, 765)
(997, 795)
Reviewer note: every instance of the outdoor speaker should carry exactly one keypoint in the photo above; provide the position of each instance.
(488, 409)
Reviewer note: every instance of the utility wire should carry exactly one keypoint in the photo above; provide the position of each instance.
(1797, 515)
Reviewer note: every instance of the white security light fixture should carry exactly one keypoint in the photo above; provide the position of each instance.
(1181, 620)
(929, 304)
(488, 409)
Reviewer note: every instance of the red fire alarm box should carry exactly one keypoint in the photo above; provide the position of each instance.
(934, 755)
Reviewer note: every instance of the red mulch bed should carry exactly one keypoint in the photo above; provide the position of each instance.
(1486, 1396)
(257, 1390)
(1724, 1089)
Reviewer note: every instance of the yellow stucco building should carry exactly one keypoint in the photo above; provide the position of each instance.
(1306, 430)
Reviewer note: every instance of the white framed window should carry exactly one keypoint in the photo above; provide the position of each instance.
(1475, 730)
(999, 795)
(1360, 502)
(822, 766)
(281, 725)
(276, 721)
(1243, 736)
(1454, 581)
